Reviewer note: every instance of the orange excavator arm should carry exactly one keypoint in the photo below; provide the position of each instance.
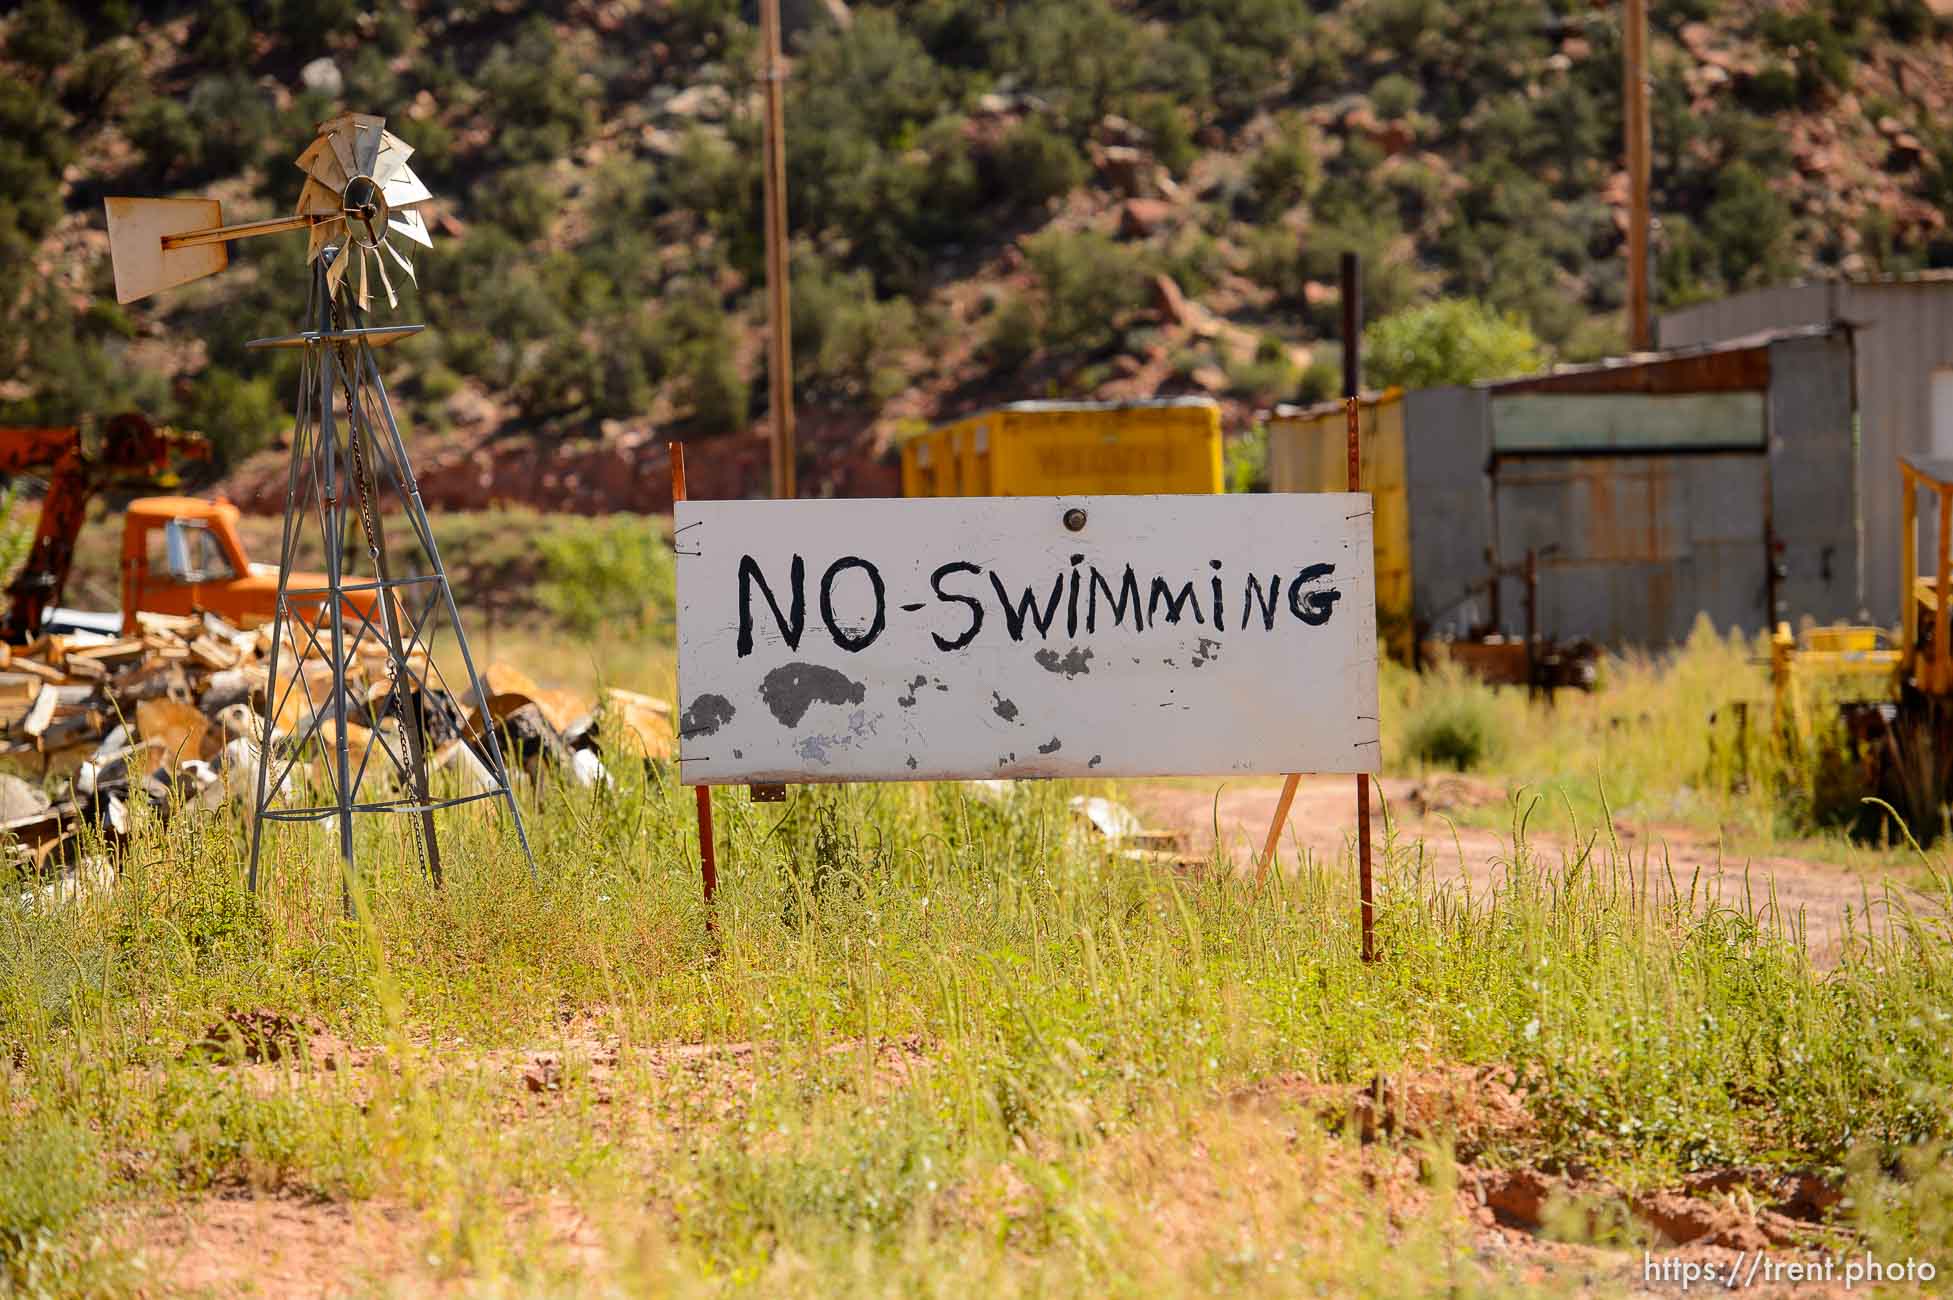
(131, 447)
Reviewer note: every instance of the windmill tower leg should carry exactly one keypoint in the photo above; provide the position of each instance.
(401, 471)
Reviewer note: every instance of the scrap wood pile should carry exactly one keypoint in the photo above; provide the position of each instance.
(171, 717)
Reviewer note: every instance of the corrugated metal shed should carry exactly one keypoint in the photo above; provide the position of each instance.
(1905, 335)
(1714, 481)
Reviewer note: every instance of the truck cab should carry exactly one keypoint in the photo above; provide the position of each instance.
(184, 555)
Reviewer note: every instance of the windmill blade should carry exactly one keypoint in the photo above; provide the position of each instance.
(393, 299)
(410, 224)
(322, 165)
(364, 297)
(405, 190)
(340, 138)
(336, 270)
(318, 199)
(405, 265)
(400, 146)
(393, 157)
(323, 233)
(366, 148)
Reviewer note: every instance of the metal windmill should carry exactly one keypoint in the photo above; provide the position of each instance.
(332, 748)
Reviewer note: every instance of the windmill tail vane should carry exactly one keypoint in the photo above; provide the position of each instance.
(359, 194)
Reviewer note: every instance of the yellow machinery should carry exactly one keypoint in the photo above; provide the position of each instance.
(1922, 662)
(1308, 451)
(1925, 650)
(1061, 448)
(1849, 658)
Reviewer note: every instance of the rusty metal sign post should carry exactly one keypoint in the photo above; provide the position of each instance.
(1352, 387)
(708, 858)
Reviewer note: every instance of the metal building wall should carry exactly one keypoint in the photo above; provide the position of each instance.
(1633, 549)
(1637, 541)
(1904, 332)
(1447, 443)
(1783, 307)
(1908, 334)
(1812, 506)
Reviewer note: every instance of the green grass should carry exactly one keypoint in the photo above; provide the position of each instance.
(1685, 738)
(935, 1044)
(1074, 1022)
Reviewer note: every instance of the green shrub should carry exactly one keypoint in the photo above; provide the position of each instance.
(1453, 725)
(1451, 341)
(1267, 376)
(846, 341)
(1324, 377)
(44, 35)
(1395, 96)
(1089, 282)
(237, 414)
(629, 367)
(1283, 262)
(1245, 460)
(1082, 56)
(103, 81)
(530, 90)
(436, 383)
(1285, 171)
(162, 132)
(1168, 133)
(1013, 334)
(522, 200)
(695, 342)
(1037, 164)
(1748, 225)
(1195, 261)
(607, 575)
(237, 120)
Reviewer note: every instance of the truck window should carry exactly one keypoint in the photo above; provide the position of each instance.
(192, 555)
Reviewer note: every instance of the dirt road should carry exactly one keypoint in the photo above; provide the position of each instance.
(1323, 822)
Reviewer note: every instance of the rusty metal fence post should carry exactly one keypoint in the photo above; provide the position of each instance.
(1352, 410)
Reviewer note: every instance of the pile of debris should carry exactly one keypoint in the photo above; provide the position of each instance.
(172, 716)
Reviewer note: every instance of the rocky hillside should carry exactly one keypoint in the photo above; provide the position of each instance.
(989, 201)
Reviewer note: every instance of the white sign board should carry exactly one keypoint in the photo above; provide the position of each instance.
(952, 638)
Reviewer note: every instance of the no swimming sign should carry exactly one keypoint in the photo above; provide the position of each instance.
(964, 638)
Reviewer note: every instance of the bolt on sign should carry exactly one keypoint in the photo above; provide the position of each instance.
(948, 638)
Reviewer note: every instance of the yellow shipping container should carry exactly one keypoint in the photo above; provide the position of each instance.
(1308, 451)
(1066, 448)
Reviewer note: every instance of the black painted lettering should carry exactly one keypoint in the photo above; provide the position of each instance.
(1220, 611)
(1269, 600)
(1071, 601)
(853, 642)
(1174, 603)
(1027, 607)
(1315, 607)
(791, 625)
(1128, 596)
(976, 606)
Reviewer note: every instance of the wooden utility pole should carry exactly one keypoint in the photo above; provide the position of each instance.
(1634, 100)
(779, 364)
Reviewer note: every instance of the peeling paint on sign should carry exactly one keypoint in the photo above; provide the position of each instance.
(811, 634)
